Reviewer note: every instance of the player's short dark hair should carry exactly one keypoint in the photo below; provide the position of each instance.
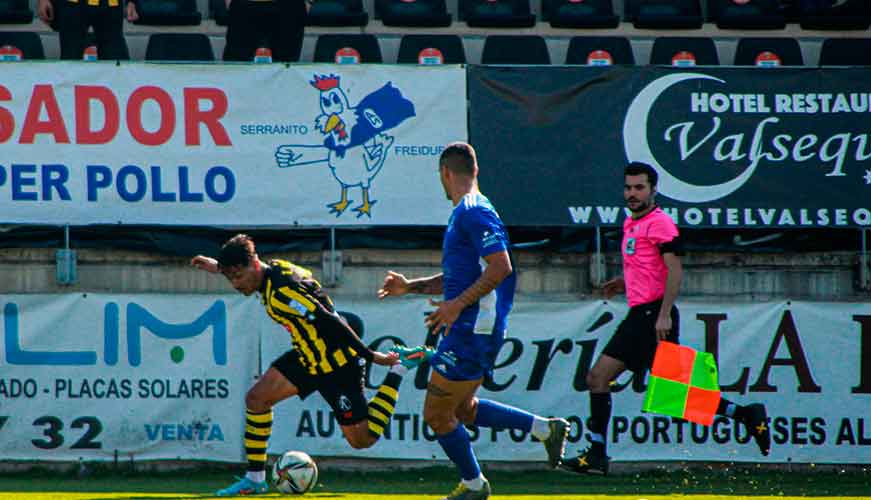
(460, 158)
(638, 168)
(237, 251)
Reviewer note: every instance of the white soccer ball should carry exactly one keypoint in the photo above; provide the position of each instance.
(294, 472)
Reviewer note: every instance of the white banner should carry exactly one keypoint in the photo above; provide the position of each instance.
(261, 145)
(805, 361)
(82, 376)
(144, 376)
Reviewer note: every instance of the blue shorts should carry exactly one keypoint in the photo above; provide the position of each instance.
(463, 356)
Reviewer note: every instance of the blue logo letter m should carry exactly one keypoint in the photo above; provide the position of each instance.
(138, 317)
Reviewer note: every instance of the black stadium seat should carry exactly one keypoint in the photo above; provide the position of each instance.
(497, 13)
(179, 47)
(515, 49)
(27, 42)
(168, 13)
(664, 14)
(846, 52)
(746, 14)
(337, 13)
(684, 51)
(347, 49)
(579, 14)
(413, 13)
(598, 51)
(431, 49)
(15, 12)
(766, 52)
(844, 15)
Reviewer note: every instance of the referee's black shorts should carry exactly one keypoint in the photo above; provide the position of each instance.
(342, 388)
(634, 342)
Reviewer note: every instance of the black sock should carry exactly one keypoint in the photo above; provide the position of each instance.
(731, 410)
(600, 415)
(383, 404)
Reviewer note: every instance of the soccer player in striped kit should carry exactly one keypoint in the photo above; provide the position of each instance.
(477, 284)
(652, 274)
(327, 357)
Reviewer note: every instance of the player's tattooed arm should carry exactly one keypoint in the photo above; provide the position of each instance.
(431, 285)
(498, 268)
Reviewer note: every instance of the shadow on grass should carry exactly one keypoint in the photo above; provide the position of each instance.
(738, 481)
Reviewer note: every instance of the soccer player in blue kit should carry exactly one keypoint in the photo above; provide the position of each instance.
(478, 282)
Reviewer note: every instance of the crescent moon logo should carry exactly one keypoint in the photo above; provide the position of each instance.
(638, 149)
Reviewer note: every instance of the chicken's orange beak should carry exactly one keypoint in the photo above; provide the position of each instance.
(332, 122)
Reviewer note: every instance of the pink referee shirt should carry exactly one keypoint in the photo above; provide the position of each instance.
(644, 269)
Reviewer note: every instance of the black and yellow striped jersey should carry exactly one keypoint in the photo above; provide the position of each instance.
(295, 300)
(94, 3)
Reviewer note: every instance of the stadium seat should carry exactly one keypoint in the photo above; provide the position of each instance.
(746, 14)
(337, 13)
(15, 12)
(497, 13)
(684, 51)
(767, 52)
(431, 49)
(218, 12)
(168, 13)
(664, 14)
(27, 43)
(413, 13)
(347, 49)
(179, 47)
(515, 49)
(599, 51)
(579, 13)
(846, 52)
(92, 53)
(847, 15)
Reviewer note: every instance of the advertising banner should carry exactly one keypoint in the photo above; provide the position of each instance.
(733, 147)
(145, 376)
(809, 363)
(261, 145)
(158, 377)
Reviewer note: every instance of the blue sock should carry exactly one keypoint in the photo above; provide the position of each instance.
(458, 447)
(500, 416)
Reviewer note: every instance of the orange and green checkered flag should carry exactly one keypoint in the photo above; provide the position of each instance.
(683, 383)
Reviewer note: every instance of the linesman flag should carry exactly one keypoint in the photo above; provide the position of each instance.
(683, 383)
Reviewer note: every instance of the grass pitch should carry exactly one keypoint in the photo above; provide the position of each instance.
(435, 483)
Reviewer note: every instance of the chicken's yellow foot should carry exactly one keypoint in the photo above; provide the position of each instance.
(340, 206)
(366, 207)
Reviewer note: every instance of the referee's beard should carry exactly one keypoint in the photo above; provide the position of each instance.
(639, 205)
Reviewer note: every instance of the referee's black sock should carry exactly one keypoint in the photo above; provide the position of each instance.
(600, 415)
(731, 410)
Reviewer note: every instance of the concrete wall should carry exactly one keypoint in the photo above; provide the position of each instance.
(812, 276)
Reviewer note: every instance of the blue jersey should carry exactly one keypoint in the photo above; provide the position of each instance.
(475, 231)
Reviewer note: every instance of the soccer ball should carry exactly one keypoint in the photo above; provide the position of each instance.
(294, 472)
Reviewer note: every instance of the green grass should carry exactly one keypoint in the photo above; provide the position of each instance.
(433, 484)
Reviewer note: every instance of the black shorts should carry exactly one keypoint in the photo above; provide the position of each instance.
(341, 389)
(634, 342)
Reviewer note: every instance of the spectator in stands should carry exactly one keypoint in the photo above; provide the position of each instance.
(72, 18)
(278, 24)
(652, 273)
